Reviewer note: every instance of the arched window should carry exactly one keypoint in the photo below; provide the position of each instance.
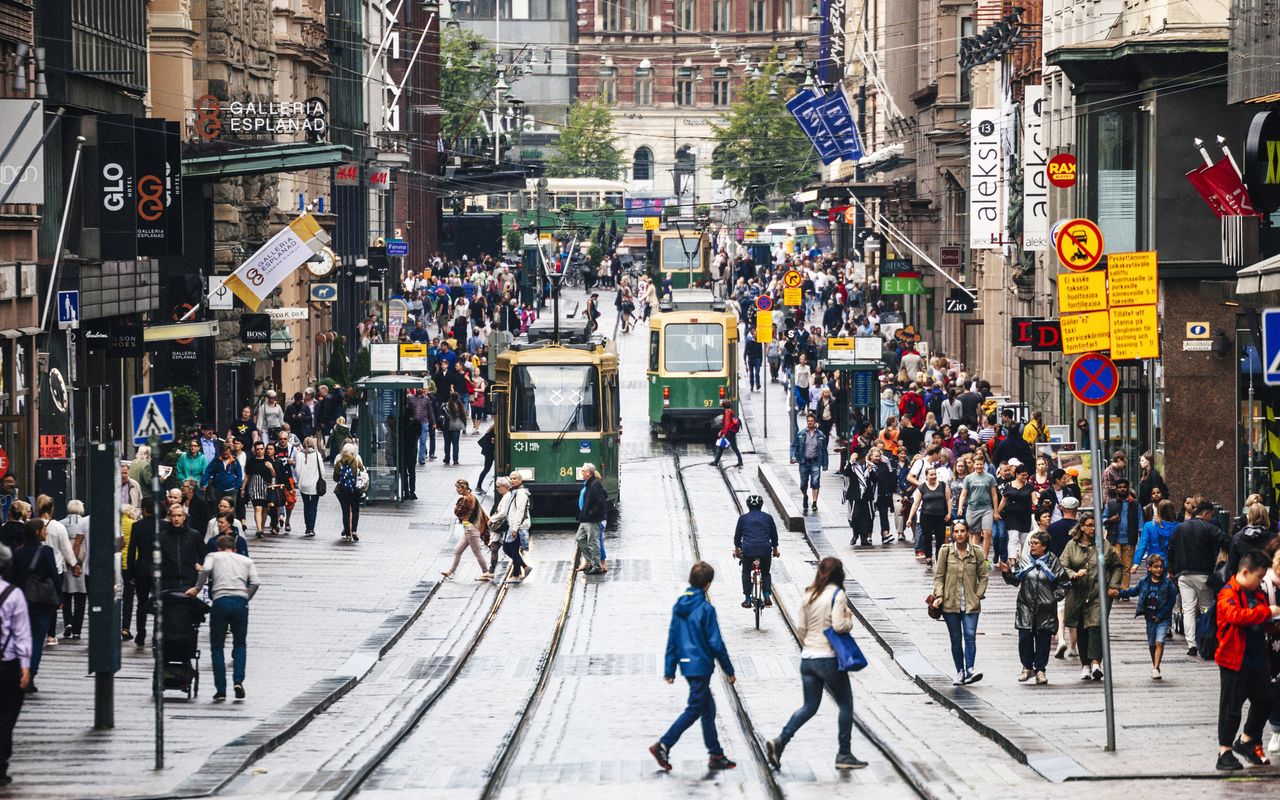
(642, 165)
(686, 168)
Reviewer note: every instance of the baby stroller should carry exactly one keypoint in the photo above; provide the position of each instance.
(182, 618)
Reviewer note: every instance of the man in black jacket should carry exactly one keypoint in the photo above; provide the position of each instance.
(182, 550)
(593, 509)
(1195, 547)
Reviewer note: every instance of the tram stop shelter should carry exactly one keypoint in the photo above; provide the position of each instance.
(856, 362)
(381, 412)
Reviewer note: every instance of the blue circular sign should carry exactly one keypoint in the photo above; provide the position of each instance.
(764, 302)
(1093, 379)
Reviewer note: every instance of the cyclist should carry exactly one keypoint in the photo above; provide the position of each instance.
(756, 537)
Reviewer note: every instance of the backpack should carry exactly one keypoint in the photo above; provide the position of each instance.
(1207, 632)
(735, 424)
(347, 479)
(903, 486)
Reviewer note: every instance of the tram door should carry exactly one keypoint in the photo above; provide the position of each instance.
(611, 466)
(501, 439)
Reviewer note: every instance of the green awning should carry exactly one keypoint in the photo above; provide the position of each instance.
(266, 160)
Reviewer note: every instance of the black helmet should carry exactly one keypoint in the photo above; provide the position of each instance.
(755, 502)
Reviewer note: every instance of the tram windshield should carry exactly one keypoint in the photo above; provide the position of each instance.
(554, 398)
(694, 347)
(682, 252)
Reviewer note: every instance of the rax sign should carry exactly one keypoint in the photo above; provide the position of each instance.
(1041, 335)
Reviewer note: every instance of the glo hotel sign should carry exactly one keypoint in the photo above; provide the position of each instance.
(832, 39)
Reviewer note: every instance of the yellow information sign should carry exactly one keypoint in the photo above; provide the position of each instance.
(764, 328)
(835, 343)
(652, 223)
(1085, 333)
(1082, 291)
(1132, 278)
(413, 350)
(1135, 332)
(750, 235)
(792, 297)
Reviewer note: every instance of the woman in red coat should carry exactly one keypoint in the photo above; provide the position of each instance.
(728, 433)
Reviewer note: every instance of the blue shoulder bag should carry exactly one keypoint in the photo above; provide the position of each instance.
(849, 657)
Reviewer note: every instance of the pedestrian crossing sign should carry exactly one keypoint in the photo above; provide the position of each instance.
(152, 417)
(1271, 346)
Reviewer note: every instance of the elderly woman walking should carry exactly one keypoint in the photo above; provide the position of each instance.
(1040, 580)
(959, 584)
(475, 530)
(1084, 608)
(510, 522)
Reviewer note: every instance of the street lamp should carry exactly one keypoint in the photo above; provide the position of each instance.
(280, 344)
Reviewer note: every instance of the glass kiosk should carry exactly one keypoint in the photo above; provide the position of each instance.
(379, 433)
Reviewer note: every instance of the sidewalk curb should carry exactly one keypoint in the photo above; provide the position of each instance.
(1023, 745)
(224, 764)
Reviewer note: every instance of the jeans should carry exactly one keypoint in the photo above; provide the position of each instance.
(408, 477)
(488, 465)
(701, 706)
(1250, 683)
(963, 628)
(810, 473)
(11, 698)
(816, 674)
(452, 440)
(603, 556)
(1000, 540)
(428, 434)
(512, 549)
(884, 507)
(1033, 649)
(753, 370)
(1195, 594)
(350, 504)
(42, 621)
(733, 442)
(589, 543)
(766, 580)
(142, 590)
(310, 504)
(227, 612)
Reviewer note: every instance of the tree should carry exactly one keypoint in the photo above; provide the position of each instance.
(338, 363)
(762, 150)
(587, 147)
(465, 86)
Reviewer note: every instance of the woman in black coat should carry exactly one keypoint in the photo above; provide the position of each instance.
(1150, 478)
(34, 559)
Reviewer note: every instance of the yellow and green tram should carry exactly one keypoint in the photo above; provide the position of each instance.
(685, 255)
(693, 363)
(557, 407)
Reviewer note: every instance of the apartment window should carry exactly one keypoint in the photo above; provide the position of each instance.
(644, 89)
(611, 15)
(720, 91)
(721, 16)
(967, 28)
(547, 9)
(1115, 141)
(684, 92)
(788, 15)
(640, 15)
(642, 165)
(608, 88)
(757, 15)
(686, 19)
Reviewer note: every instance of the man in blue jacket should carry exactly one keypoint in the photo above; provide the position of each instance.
(756, 537)
(694, 642)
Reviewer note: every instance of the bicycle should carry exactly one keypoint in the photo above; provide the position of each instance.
(757, 590)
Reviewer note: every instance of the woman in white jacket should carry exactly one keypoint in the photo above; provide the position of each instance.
(513, 509)
(825, 606)
(310, 471)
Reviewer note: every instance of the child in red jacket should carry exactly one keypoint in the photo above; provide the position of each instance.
(1243, 663)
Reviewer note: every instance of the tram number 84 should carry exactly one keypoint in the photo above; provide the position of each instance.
(568, 472)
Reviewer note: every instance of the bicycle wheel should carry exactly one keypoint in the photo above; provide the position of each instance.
(757, 601)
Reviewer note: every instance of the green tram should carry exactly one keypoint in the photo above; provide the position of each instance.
(693, 363)
(685, 255)
(557, 406)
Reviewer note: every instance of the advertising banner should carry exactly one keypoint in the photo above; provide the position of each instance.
(986, 154)
(173, 188)
(276, 260)
(112, 189)
(30, 187)
(150, 162)
(839, 120)
(804, 105)
(1035, 188)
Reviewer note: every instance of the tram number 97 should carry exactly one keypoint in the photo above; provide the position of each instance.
(708, 403)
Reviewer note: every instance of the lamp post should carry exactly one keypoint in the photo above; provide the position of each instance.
(280, 344)
(555, 271)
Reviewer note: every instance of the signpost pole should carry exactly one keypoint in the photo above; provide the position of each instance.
(71, 414)
(104, 608)
(157, 595)
(766, 401)
(1095, 457)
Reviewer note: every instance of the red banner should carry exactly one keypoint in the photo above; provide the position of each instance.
(1222, 189)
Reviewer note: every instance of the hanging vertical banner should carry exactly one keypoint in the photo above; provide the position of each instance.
(986, 154)
(111, 189)
(1035, 187)
(804, 105)
(838, 118)
(276, 260)
(150, 156)
(831, 40)
(173, 188)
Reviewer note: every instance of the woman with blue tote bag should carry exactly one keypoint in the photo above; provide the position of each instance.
(828, 653)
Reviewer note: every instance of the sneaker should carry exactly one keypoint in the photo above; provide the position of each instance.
(848, 761)
(308, 534)
(1024, 676)
(1061, 652)
(1155, 674)
(959, 681)
(659, 752)
(1086, 674)
(239, 690)
(1274, 744)
(973, 677)
(218, 697)
(1192, 651)
(768, 602)
(1097, 672)
(1228, 763)
(1252, 752)
(773, 753)
(746, 604)
(720, 761)
(1041, 678)
(50, 641)
(66, 632)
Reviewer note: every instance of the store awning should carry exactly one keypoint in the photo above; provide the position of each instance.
(1261, 277)
(264, 160)
(840, 190)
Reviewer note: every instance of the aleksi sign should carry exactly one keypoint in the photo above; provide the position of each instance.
(1035, 191)
(986, 153)
(236, 119)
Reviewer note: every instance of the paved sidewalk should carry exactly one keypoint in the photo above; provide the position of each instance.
(1058, 729)
(325, 613)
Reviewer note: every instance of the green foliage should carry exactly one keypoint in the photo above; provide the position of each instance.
(568, 208)
(760, 213)
(513, 241)
(587, 147)
(703, 210)
(187, 407)
(338, 372)
(363, 365)
(465, 89)
(810, 209)
(594, 253)
(763, 152)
